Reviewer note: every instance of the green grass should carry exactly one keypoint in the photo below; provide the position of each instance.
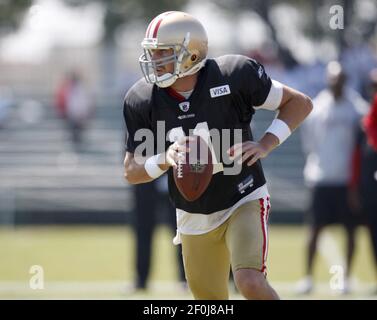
(287, 254)
(86, 256)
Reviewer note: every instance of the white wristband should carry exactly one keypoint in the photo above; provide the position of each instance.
(152, 168)
(280, 129)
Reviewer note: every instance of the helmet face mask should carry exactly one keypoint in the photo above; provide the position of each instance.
(187, 39)
(149, 66)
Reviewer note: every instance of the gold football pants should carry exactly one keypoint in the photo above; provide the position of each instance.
(240, 242)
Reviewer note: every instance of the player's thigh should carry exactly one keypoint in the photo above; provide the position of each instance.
(207, 265)
(247, 235)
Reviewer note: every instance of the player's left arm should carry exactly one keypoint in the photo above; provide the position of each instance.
(292, 110)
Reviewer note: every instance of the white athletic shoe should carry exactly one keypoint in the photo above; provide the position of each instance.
(346, 287)
(304, 286)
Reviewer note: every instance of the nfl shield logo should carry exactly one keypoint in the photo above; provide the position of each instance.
(184, 106)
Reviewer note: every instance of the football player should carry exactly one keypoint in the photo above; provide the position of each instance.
(328, 138)
(188, 92)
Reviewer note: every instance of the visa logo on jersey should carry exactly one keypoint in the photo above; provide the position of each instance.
(219, 91)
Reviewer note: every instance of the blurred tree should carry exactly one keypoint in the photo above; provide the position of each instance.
(262, 8)
(11, 12)
(312, 28)
(119, 12)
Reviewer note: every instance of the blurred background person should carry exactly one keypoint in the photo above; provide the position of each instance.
(74, 103)
(365, 164)
(328, 138)
(151, 198)
(61, 97)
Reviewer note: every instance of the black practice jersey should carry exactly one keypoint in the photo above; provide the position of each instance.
(227, 89)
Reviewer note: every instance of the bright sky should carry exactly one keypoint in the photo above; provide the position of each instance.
(50, 23)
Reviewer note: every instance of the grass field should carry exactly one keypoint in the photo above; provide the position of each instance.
(86, 262)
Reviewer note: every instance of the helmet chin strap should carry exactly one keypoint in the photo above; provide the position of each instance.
(166, 80)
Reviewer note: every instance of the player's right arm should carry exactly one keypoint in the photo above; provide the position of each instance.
(140, 167)
(141, 170)
(135, 172)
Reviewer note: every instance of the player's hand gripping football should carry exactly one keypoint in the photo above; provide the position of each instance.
(176, 152)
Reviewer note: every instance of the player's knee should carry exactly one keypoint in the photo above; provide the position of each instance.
(250, 283)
